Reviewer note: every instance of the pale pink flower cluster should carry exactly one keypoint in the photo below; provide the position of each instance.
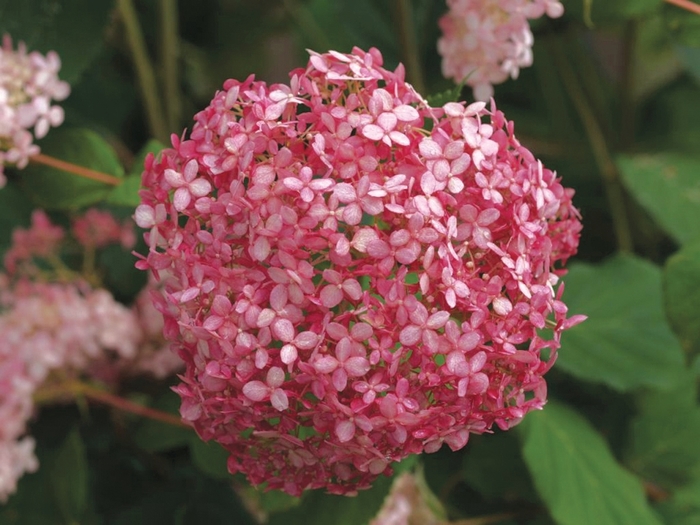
(55, 327)
(486, 41)
(29, 84)
(354, 276)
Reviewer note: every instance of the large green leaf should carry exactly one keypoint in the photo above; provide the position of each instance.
(625, 342)
(209, 457)
(494, 467)
(52, 188)
(576, 474)
(318, 508)
(69, 478)
(667, 185)
(72, 28)
(681, 279)
(155, 436)
(664, 436)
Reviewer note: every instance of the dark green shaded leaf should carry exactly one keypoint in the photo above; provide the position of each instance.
(69, 478)
(595, 12)
(683, 25)
(155, 436)
(664, 436)
(317, 508)
(15, 211)
(681, 279)
(625, 342)
(493, 466)
(576, 474)
(668, 187)
(684, 506)
(46, 25)
(210, 458)
(56, 189)
(691, 58)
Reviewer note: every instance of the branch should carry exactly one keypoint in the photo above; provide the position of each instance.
(74, 169)
(77, 389)
(686, 4)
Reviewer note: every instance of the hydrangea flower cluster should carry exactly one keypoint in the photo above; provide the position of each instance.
(486, 41)
(354, 276)
(56, 326)
(28, 84)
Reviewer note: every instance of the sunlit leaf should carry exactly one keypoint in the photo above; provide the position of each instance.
(668, 187)
(626, 341)
(576, 474)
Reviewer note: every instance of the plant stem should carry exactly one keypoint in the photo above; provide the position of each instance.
(409, 44)
(599, 147)
(144, 71)
(686, 4)
(626, 87)
(78, 388)
(169, 53)
(80, 171)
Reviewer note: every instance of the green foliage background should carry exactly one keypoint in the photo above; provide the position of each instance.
(612, 103)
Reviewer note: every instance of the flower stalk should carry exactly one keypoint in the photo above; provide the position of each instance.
(144, 71)
(79, 389)
(75, 169)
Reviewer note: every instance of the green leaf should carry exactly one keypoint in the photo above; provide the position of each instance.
(127, 193)
(595, 12)
(668, 187)
(155, 436)
(15, 211)
(683, 25)
(69, 478)
(684, 506)
(46, 25)
(493, 466)
(318, 508)
(664, 437)
(576, 474)
(451, 95)
(625, 342)
(681, 278)
(691, 58)
(210, 458)
(52, 188)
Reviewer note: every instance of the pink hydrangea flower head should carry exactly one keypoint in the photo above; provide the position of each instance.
(29, 84)
(353, 276)
(484, 42)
